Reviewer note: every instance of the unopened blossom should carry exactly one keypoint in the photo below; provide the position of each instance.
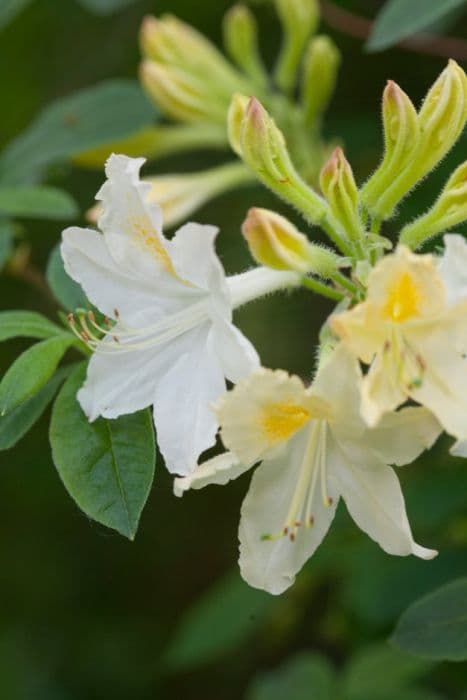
(313, 447)
(168, 338)
(412, 333)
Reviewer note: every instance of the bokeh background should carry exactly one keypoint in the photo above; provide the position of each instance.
(85, 614)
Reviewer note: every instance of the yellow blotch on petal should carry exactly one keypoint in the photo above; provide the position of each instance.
(403, 299)
(149, 239)
(281, 420)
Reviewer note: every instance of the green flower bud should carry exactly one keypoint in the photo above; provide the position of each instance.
(181, 95)
(170, 41)
(441, 121)
(401, 135)
(299, 19)
(321, 64)
(241, 42)
(275, 242)
(338, 185)
(449, 210)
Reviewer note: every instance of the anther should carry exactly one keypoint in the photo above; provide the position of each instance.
(116, 313)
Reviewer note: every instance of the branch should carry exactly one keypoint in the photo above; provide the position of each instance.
(424, 42)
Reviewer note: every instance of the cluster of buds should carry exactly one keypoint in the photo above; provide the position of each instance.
(191, 82)
(351, 216)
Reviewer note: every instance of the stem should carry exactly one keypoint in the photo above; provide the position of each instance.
(256, 283)
(321, 288)
(344, 281)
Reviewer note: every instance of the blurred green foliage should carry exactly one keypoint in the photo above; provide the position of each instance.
(89, 615)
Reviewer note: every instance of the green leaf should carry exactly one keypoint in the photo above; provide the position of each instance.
(435, 627)
(90, 118)
(26, 324)
(9, 9)
(366, 676)
(66, 291)
(32, 370)
(399, 19)
(230, 610)
(306, 677)
(106, 466)
(18, 422)
(40, 202)
(105, 7)
(7, 236)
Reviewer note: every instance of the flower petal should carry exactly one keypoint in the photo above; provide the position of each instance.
(374, 499)
(218, 470)
(185, 422)
(132, 225)
(109, 286)
(381, 389)
(401, 437)
(453, 267)
(236, 354)
(273, 564)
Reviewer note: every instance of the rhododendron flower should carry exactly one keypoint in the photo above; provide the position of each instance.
(313, 447)
(168, 339)
(412, 331)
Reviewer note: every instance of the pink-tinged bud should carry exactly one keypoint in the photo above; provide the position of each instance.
(275, 242)
(338, 185)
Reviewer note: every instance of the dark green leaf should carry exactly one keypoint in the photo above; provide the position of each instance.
(435, 627)
(230, 610)
(106, 466)
(306, 677)
(67, 291)
(9, 9)
(26, 324)
(87, 119)
(31, 371)
(7, 236)
(105, 7)
(40, 202)
(19, 421)
(399, 19)
(366, 677)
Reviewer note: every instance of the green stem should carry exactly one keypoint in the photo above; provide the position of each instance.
(321, 288)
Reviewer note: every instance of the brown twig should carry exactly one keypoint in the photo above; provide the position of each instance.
(360, 27)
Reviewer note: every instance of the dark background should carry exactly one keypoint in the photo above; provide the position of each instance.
(86, 615)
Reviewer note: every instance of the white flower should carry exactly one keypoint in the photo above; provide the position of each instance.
(170, 342)
(412, 331)
(314, 448)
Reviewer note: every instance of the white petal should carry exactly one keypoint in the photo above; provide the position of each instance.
(195, 260)
(453, 267)
(122, 383)
(186, 425)
(218, 470)
(459, 449)
(374, 499)
(444, 386)
(273, 565)
(236, 354)
(339, 382)
(401, 437)
(109, 286)
(132, 225)
(381, 389)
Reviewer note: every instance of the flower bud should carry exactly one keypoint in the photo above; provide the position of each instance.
(256, 138)
(321, 63)
(338, 185)
(180, 95)
(275, 242)
(401, 135)
(441, 120)
(449, 210)
(241, 42)
(299, 19)
(235, 116)
(172, 42)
